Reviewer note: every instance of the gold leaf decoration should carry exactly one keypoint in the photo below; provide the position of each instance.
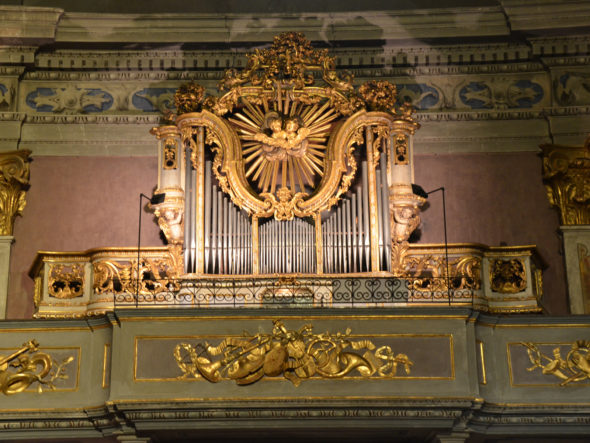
(575, 367)
(292, 355)
(27, 366)
(14, 180)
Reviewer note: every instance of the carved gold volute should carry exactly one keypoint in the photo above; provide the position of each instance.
(566, 174)
(14, 180)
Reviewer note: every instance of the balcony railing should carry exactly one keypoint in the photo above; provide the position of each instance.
(97, 281)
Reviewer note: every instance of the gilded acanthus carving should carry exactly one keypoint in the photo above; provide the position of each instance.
(566, 173)
(27, 366)
(291, 56)
(14, 180)
(379, 95)
(65, 281)
(575, 367)
(430, 272)
(155, 275)
(289, 354)
(508, 276)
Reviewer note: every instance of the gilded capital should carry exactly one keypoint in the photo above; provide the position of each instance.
(566, 174)
(14, 180)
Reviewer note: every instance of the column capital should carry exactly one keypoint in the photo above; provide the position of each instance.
(14, 181)
(566, 174)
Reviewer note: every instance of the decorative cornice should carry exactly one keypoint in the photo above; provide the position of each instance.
(94, 119)
(11, 71)
(14, 180)
(527, 15)
(25, 23)
(566, 173)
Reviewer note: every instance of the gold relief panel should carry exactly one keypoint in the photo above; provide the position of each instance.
(508, 276)
(294, 355)
(170, 157)
(289, 354)
(401, 156)
(549, 364)
(65, 280)
(14, 180)
(29, 370)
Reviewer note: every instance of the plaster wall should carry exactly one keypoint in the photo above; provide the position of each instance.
(495, 198)
(78, 203)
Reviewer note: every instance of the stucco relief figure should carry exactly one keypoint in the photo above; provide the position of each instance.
(282, 137)
(174, 231)
(406, 220)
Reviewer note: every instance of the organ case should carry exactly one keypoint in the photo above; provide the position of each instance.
(291, 170)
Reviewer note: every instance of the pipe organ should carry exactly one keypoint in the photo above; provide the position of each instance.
(291, 171)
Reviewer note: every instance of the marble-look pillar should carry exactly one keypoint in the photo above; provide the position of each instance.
(576, 246)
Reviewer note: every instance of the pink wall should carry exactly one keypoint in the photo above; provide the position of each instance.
(78, 203)
(494, 198)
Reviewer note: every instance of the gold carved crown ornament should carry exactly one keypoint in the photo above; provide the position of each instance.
(286, 127)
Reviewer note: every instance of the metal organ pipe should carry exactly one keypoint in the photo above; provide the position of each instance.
(286, 246)
(346, 229)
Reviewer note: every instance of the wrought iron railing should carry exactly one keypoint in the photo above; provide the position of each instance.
(321, 292)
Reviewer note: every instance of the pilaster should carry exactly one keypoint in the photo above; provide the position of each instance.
(5, 247)
(566, 173)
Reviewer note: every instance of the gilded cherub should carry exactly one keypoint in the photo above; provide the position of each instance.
(282, 136)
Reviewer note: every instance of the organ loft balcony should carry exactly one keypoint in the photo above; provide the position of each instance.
(289, 188)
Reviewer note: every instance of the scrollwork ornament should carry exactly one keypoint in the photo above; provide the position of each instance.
(292, 59)
(66, 281)
(155, 275)
(14, 180)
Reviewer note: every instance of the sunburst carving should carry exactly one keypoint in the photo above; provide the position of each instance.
(284, 143)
